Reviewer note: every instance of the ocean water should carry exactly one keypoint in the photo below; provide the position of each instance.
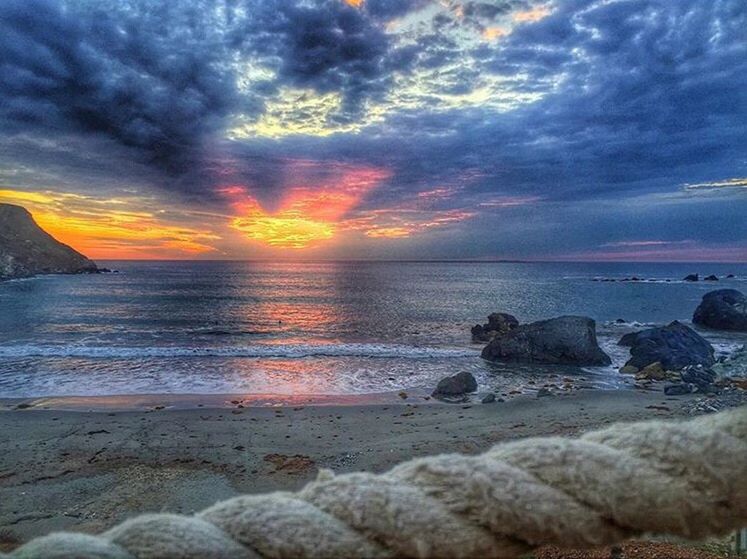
(317, 328)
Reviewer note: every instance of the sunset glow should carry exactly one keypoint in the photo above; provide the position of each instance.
(110, 228)
(309, 213)
(395, 129)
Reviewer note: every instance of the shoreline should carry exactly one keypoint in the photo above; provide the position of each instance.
(143, 402)
(88, 470)
(187, 401)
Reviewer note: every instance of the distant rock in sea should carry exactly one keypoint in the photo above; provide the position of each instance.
(27, 250)
(723, 309)
(569, 340)
(691, 277)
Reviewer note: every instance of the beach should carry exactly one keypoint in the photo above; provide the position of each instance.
(92, 466)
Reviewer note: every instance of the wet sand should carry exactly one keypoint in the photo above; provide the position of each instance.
(87, 470)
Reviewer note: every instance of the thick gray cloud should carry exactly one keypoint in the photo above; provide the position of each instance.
(101, 72)
(635, 98)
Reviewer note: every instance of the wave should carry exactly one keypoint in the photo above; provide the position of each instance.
(288, 351)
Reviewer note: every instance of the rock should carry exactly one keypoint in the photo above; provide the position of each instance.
(498, 324)
(488, 399)
(296, 464)
(456, 385)
(723, 309)
(544, 392)
(628, 370)
(679, 389)
(691, 277)
(702, 377)
(710, 278)
(628, 339)
(654, 371)
(620, 321)
(569, 340)
(729, 276)
(738, 383)
(675, 346)
(26, 250)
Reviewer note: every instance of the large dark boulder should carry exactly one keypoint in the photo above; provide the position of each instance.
(675, 346)
(27, 250)
(457, 385)
(569, 340)
(498, 324)
(628, 339)
(723, 309)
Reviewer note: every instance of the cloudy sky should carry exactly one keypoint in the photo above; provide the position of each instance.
(569, 130)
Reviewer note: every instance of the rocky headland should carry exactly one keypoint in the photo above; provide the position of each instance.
(27, 250)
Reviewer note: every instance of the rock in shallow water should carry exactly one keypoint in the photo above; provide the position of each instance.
(566, 340)
(457, 385)
(675, 346)
(723, 309)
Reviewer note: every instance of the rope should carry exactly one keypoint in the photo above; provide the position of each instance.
(687, 479)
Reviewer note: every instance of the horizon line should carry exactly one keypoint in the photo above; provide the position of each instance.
(422, 260)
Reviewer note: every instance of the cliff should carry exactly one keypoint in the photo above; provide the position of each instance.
(27, 250)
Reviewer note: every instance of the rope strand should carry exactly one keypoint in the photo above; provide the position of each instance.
(686, 479)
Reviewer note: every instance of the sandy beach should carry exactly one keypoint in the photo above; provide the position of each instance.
(87, 470)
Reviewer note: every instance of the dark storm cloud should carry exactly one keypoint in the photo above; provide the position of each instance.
(327, 46)
(100, 72)
(638, 96)
(161, 79)
(634, 99)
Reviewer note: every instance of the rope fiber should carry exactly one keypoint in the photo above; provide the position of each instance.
(687, 479)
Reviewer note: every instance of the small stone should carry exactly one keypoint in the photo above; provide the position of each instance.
(403, 395)
(488, 399)
(628, 370)
(544, 392)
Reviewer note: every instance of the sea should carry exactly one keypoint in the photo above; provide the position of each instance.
(350, 328)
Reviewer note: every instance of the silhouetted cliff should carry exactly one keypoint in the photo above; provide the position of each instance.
(27, 250)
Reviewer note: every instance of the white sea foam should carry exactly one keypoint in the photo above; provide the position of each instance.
(286, 351)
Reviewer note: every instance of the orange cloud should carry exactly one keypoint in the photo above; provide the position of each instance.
(493, 33)
(354, 3)
(399, 223)
(311, 210)
(535, 14)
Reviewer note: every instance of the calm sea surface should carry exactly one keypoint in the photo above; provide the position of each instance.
(328, 328)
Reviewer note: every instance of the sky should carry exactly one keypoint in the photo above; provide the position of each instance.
(379, 129)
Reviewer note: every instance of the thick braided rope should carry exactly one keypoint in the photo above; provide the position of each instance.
(687, 479)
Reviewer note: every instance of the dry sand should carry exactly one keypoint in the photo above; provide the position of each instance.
(87, 470)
